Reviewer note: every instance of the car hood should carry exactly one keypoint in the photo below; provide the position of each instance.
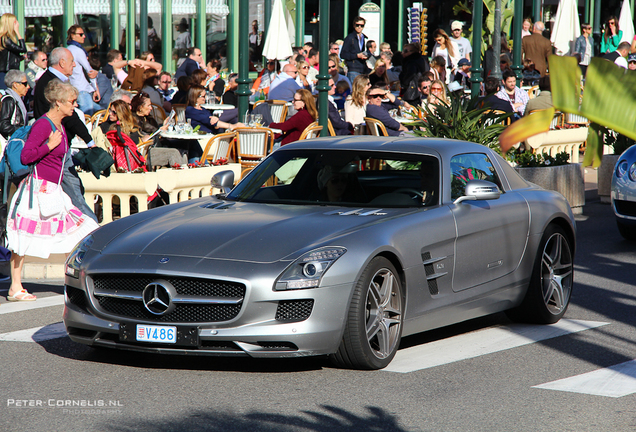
(244, 231)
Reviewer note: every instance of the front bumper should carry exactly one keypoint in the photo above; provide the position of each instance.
(268, 324)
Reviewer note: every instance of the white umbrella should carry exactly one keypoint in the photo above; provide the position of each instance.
(566, 27)
(625, 23)
(277, 44)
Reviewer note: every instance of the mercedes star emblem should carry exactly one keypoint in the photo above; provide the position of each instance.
(158, 298)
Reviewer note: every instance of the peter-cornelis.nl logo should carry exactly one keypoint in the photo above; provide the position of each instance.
(69, 406)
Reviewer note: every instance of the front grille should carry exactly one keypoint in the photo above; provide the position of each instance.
(184, 286)
(77, 297)
(279, 346)
(294, 310)
(183, 313)
(627, 208)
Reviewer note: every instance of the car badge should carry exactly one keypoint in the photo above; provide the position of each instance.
(164, 260)
(157, 298)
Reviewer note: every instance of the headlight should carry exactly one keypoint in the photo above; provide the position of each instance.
(632, 172)
(77, 255)
(621, 169)
(307, 271)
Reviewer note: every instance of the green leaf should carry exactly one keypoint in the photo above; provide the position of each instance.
(565, 82)
(594, 148)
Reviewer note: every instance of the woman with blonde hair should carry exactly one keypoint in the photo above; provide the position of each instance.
(448, 49)
(303, 71)
(46, 222)
(12, 46)
(306, 114)
(356, 103)
(438, 93)
(378, 74)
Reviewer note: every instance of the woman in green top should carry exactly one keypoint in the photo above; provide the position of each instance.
(611, 37)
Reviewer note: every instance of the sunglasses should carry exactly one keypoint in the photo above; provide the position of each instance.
(436, 89)
(359, 25)
(166, 82)
(331, 67)
(305, 67)
(373, 96)
(24, 83)
(79, 34)
(298, 100)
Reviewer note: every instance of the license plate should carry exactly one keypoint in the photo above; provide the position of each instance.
(160, 334)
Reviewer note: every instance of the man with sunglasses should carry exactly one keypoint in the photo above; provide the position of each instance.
(36, 66)
(165, 81)
(537, 48)
(353, 50)
(376, 110)
(83, 77)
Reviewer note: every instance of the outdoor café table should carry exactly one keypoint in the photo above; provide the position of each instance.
(201, 138)
(217, 107)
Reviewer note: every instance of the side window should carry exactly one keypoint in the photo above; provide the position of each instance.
(471, 166)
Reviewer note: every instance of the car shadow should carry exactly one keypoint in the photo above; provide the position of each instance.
(327, 419)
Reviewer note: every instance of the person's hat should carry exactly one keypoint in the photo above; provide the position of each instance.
(463, 62)
(631, 58)
(457, 25)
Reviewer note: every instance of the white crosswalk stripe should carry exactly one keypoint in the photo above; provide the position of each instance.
(482, 342)
(615, 381)
(35, 334)
(42, 302)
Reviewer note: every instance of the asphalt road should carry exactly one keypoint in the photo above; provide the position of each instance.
(469, 386)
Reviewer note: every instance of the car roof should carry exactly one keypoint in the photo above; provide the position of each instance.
(414, 145)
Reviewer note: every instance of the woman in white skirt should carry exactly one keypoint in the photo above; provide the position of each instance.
(51, 224)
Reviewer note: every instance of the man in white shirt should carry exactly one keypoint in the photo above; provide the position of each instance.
(513, 94)
(82, 72)
(284, 85)
(465, 50)
(619, 56)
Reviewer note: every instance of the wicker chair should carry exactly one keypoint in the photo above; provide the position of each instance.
(218, 147)
(375, 127)
(311, 131)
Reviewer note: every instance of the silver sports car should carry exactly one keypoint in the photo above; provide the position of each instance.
(334, 246)
(624, 193)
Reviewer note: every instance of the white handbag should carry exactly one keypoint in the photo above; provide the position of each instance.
(51, 204)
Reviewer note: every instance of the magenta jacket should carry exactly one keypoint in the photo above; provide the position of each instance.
(49, 164)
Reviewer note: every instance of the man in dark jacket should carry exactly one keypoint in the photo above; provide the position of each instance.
(192, 63)
(61, 66)
(340, 126)
(353, 50)
(491, 85)
(377, 110)
(414, 66)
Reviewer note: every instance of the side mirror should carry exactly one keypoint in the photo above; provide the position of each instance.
(223, 180)
(478, 190)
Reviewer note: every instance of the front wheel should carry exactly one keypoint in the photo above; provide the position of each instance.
(374, 323)
(550, 287)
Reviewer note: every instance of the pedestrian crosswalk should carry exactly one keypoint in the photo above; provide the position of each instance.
(615, 381)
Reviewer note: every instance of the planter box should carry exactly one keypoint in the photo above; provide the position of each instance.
(179, 184)
(568, 180)
(604, 173)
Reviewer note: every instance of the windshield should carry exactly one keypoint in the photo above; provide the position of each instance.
(344, 178)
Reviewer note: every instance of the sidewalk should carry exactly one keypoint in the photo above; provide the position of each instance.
(53, 268)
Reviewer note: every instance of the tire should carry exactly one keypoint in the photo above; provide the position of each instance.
(551, 283)
(374, 323)
(627, 231)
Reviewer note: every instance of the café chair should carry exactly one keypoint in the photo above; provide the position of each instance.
(311, 131)
(253, 144)
(158, 113)
(375, 127)
(180, 110)
(278, 110)
(219, 146)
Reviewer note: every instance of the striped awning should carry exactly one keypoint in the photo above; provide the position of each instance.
(43, 8)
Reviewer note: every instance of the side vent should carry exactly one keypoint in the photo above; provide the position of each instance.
(428, 268)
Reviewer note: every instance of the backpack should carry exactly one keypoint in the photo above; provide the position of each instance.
(125, 152)
(12, 153)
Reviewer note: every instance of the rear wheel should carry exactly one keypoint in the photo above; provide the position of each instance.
(374, 323)
(627, 231)
(550, 288)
